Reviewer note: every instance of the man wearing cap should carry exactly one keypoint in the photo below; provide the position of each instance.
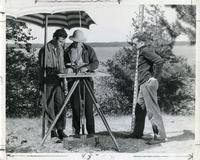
(79, 52)
(149, 71)
(54, 91)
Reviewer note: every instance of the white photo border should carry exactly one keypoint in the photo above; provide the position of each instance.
(99, 156)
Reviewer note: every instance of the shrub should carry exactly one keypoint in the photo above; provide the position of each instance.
(175, 93)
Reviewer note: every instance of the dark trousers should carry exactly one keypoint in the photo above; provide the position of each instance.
(140, 114)
(75, 104)
(55, 98)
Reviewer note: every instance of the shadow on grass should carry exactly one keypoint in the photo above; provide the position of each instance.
(187, 135)
(131, 145)
(126, 144)
(121, 134)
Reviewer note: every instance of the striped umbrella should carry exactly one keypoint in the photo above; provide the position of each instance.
(66, 19)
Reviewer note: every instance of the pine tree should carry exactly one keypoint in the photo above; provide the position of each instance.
(173, 95)
(186, 22)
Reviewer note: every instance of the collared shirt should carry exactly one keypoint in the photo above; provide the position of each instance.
(54, 57)
(54, 62)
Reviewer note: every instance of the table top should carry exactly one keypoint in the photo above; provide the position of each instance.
(83, 75)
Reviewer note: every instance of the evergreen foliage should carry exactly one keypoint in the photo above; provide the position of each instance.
(176, 91)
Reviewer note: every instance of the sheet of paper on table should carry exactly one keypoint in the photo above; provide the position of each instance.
(85, 74)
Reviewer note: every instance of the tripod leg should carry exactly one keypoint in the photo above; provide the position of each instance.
(44, 109)
(83, 109)
(45, 116)
(100, 112)
(82, 106)
(43, 122)
(61, 110)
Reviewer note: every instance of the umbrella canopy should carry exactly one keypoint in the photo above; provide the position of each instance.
(67, 19)
(18, 8)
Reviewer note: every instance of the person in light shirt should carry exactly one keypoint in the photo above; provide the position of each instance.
(54, 91)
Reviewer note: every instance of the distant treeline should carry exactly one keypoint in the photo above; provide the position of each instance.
(102, 44)
(93, 44)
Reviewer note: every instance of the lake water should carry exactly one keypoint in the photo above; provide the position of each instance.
(105, 53)
(186, 51)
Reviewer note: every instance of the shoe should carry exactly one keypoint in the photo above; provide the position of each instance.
(56, 140)
(77, 132)
(133, 135)
(156, 141)
(61, 134)
(90, 135)
(77, 136)
(59, 141)
(146, 137)
(54, 134)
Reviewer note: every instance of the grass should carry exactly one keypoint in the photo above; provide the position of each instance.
(24, 135)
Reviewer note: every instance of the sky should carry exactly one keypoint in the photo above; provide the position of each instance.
(113, 24)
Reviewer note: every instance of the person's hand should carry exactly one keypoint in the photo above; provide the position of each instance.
(151, 79)
(83, 69)
(70, 70)
(66, 70)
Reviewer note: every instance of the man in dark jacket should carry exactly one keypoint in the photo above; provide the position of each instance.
(149, 70)
(79, 52)
(54, 91)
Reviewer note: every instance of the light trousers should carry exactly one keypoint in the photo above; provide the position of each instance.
(147, 99)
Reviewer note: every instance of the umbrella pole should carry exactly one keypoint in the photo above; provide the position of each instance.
(45, 75)
(80, 19)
